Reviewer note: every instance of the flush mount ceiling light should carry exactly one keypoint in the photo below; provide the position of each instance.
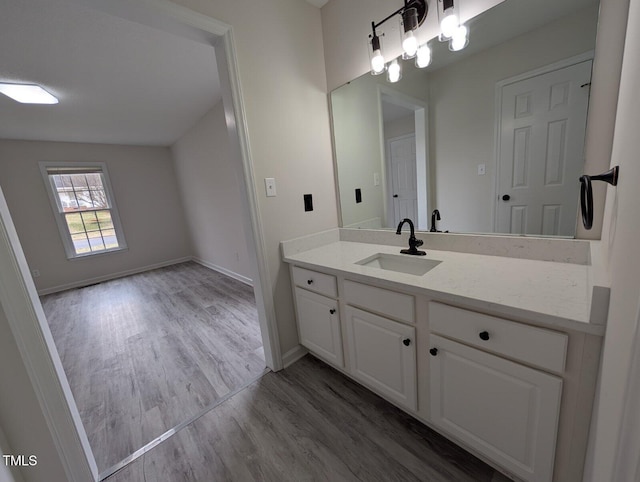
(413, 13)
(27, 93)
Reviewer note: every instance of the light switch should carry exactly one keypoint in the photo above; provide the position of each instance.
(270, 186)
(482, 169)
(376, 179)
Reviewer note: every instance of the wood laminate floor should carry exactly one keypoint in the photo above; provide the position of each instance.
(146, 352)
(306, 423)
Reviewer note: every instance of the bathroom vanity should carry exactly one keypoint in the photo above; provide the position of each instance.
(498, 353)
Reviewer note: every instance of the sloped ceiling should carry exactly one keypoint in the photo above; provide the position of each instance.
(118, 81)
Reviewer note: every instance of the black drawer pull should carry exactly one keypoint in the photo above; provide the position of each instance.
(406, 342)
(309, 281)
(433, 351)
(332, 311)
(484, 335)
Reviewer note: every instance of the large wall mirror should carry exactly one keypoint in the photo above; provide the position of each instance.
(491, 136)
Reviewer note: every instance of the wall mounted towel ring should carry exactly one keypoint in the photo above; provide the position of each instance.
(586, 193)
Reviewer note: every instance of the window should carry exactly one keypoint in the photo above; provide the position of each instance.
(83, 204)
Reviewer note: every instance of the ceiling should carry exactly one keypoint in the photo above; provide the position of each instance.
(118, 82)
(317, 3)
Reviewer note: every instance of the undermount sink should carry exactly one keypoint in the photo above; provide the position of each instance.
(400, 263)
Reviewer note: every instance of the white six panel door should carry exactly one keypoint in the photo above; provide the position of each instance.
(403, 178)
(540, 158)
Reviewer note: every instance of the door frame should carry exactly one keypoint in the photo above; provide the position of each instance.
(18, 295)
(423, 171)
(561, 64)
(389, 172)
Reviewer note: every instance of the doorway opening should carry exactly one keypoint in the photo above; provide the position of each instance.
(26, 317)
(404, 134)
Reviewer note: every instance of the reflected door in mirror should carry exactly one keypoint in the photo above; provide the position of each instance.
(402, 162)
(542, 129)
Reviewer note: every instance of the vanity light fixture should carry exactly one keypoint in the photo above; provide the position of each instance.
(413, 13)
(27, 93)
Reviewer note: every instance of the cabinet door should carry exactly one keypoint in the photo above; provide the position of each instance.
(504, 410)
(382, 355)
(319, 325)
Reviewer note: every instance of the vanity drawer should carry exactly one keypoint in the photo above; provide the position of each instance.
(536, 346)
(312, 280)
(378, 300)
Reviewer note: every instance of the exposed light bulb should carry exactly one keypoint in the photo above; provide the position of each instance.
(459, 39)
(423, 58)
(449, 23)
(393, 71)
(377, 62)
(409, 45)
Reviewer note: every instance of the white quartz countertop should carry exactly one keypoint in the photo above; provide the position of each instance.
(542, 292)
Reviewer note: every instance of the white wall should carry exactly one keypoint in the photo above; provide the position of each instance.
(400, 127)
(462, 114)
(282, 75)
(210, 194)
(21, 417)
(358, 144)
(620, 241)
(145, 192)
(356, 126)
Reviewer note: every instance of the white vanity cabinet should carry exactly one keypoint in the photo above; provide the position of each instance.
(516, 392)
(505, 410)
(318, 318)
(382, 355)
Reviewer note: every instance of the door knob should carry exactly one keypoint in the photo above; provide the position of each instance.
(433, 351)
(506, 197)
(484, 335)
(406, 342)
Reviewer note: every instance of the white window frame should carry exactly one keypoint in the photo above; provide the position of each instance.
(59, 214)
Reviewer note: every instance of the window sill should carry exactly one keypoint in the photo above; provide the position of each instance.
(77, 257)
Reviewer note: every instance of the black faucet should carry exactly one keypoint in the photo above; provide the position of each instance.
(435, 215)
(413, 242)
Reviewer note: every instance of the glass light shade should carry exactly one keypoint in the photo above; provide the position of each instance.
(27, 93)
(377, 63)
(394, 72)
(460, 39)
(423, 57)
(376, 58)
(409, 45)
(449, 23)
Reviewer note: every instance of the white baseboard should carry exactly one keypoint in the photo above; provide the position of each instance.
(293, 355)
(220, 269)
(120, 274)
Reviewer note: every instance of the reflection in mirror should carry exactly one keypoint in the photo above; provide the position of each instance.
(492, 136)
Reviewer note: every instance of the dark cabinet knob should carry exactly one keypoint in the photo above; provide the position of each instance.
(406, 342)
(484, 335)
(506, 197)
(395, 195)
(332, 311)
(309, 281)
(433, 351)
